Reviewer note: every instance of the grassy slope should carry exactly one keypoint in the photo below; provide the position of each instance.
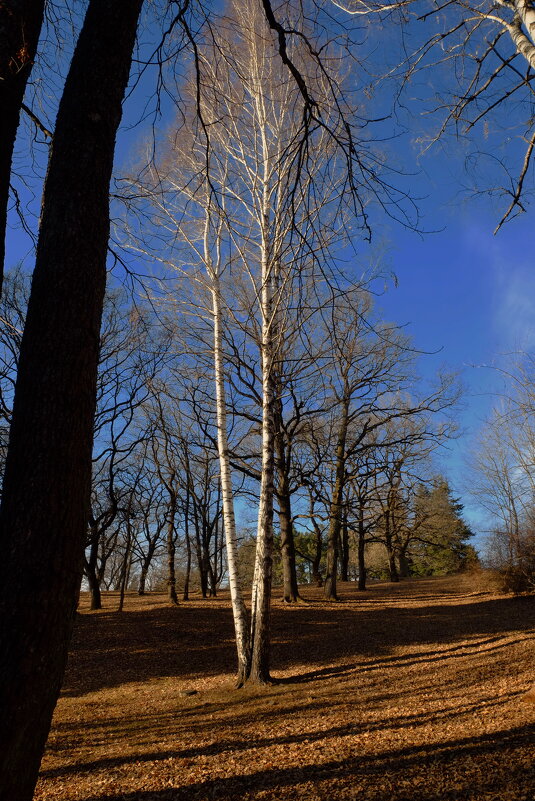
(410, 691)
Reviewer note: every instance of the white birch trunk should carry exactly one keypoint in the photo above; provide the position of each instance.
(261, 590)
(524, 41)
(239, 611)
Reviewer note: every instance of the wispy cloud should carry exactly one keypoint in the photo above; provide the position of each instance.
(514, 303)
(506, 261)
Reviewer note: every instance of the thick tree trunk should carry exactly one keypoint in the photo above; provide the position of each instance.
(289, 572)
(20, 25)
(45, 502)
(143, 578)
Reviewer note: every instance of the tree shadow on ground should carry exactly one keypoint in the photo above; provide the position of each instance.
(393, 775)
(197, 640)
(153, 729)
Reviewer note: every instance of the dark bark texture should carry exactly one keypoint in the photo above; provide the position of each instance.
(45, 504)
(20, 26)
(289, 570)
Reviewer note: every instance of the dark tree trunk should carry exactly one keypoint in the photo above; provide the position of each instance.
(205, 559)
(20, 25)
(143, 577)
(185, 594)
(91, 571)
(171, 573)
(344, 550)
(45, 502)
(125, 576)
(316, 573)
(94, 589)
(361, 551)
(392, 569)
(214, 578)
(289, 571)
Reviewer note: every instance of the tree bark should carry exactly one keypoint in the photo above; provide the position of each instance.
(171, 573)
(361, 550)
(335, 521)
(229, 521)
(46, 490)
(316, 573)
(392, 569)
(91, 572)
(20, 26)
(344, 549)
(289, 572)
(185, 594)
(261, 590)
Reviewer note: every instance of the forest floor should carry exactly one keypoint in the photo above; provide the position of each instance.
(407, 692)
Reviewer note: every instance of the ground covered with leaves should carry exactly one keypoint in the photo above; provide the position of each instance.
(408, 691)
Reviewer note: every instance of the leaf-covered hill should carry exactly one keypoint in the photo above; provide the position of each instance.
(409, 691)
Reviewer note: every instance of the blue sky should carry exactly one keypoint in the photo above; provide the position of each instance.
(466, 296)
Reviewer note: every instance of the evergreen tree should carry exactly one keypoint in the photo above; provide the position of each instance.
(439, 533)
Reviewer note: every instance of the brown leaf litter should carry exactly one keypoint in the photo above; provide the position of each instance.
(407, 692)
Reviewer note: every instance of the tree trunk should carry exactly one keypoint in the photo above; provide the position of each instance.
(316, 574)
(143, 577)
(238, 605)
(94, 589)
(125, 575)
(335, 520)
(289, 572)
(46, 490)
(91, 572)
(20, 25)
(185, 594)
(392, 569)
(361, 550)
(171, 573)
(344, 550)
(261, 590)
(145, 565)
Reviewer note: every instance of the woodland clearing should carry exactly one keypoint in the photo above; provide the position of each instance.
(405, 691)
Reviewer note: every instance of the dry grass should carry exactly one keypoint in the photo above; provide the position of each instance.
(410, 691)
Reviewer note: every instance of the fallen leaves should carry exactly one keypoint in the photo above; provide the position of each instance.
(412, 691)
